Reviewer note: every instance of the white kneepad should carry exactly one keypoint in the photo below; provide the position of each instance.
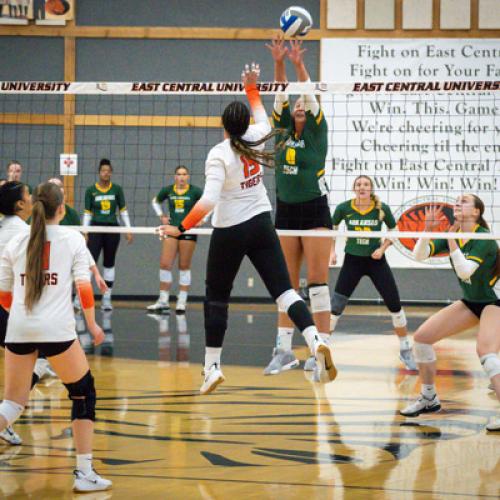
(399, 319)
(108, 273)
(491, 364)
(165, 276)
(319, 295)
(10, 410)
(424, 353)
(185, 277)
(286, 299)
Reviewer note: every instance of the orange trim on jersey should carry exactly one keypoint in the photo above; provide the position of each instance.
(46, 256)
(195, 215)
(86, 294)
(6, 300)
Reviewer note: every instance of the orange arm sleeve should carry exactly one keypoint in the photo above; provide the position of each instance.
(86, 294)
(196, 214)
(253, 96)
(6, 300)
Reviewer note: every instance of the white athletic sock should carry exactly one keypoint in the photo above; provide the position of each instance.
(284, 338)
(212, 355)
(309, 334)
(164, 296)
(428, 390)
(404, 343)
(84, 463)
(183, 296)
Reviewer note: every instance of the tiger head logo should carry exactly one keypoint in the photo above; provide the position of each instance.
(411, 217)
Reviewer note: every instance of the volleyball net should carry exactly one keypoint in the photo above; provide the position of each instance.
(422, 143)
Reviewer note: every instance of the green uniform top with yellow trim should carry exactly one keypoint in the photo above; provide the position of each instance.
(300, 165)
(102, 203)
(362, 220)
(71, 217)
(479, 287)
(180, 202)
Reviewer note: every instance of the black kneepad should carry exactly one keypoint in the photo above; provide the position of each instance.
(83, 396)
(216, 315)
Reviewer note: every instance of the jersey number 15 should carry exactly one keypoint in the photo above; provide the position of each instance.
(250, 167)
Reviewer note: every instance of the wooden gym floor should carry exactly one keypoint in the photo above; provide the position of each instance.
(262, 437)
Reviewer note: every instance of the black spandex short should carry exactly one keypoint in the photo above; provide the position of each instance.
(307, 215)
(107, 242)
(477, 307)
(355, 267)
(187, 237)
(4, 316)
(46, 349)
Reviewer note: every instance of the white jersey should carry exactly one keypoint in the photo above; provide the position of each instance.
(243, 194)
(52, 318)
(10, 225)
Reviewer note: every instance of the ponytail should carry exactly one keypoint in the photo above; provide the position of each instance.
(236, 120)
(47, 198)
(246, 148)
(378, 206)
(35, 274)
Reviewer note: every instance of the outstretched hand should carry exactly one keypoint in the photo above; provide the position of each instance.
(296, 52)
(250, 74)
(434, 217)
(278, 48)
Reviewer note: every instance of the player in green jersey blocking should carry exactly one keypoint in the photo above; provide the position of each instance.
(301, 200)
(181, 197)
(366, 257)
(102, 200)
(477, 266)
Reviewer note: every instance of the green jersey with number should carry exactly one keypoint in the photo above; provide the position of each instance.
(480, 286)
(71, 217)
(180, 202)
(300, 165)
(362, 220)
(102, 203)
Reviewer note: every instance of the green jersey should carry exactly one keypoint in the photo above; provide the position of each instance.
(479, 287)
(102, 203)
(179, 202)
(362, 220)
(71, 217)
(300, 165)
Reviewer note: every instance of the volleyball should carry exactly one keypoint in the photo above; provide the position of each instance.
(295, 21)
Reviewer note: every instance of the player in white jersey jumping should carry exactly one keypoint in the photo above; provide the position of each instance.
(234, 189)
(37, 270)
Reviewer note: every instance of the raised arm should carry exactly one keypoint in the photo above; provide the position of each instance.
(279, 52)
(249, 77)
(296, 56)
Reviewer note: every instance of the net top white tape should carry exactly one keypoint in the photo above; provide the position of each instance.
(235, 88)
(316, 234)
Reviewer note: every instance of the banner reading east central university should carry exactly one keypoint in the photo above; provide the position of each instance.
(418, 148)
